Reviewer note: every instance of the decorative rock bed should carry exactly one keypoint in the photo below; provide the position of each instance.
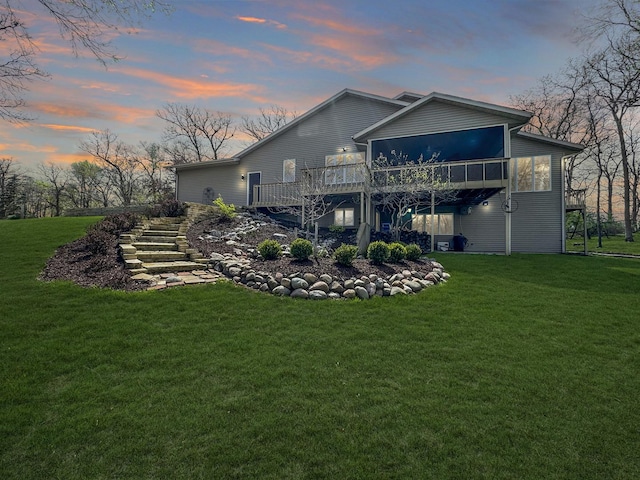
(308, 285)
(238, 264)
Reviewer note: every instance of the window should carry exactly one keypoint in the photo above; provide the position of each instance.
(443, 223)
(531, 174)
(344, 168)
(343, 217)
(472, 144)
(289, 170)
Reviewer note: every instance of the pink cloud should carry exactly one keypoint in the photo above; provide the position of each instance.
(197, 88)
(262, 21)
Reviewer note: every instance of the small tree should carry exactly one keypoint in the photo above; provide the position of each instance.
(401, 185)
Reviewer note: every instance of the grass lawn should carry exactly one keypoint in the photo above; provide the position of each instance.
(611, 244)
(521, 367)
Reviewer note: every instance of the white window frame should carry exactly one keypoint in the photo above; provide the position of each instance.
(339, 217)
(534, 161)
(289, 170)
(420, 223)
(349, 173)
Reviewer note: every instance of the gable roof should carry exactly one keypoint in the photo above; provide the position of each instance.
(316, 109)
(520, 117)
(575, 147)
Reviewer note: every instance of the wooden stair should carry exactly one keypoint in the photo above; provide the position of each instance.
(160, 245)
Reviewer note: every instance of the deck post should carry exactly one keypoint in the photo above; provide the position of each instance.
(433, 215)
(584, 222)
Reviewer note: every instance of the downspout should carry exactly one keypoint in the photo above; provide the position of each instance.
(507, 220)
(564, 204)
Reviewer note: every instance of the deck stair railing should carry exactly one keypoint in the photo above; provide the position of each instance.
(576, 199)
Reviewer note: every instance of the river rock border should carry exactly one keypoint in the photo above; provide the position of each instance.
(308, 285)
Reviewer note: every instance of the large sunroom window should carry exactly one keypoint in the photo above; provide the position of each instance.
(531, 174)
(472, 144)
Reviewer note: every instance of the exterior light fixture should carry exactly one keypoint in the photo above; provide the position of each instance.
(485, 203)
(242, 176)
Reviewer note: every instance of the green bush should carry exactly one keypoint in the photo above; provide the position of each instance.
(397, 252)
(301, 249)
(270, 249)
(116, 224)
(337, 229)
(169, 207)
(345, 254)
(414, 252)
(378, 252)
(227, 211)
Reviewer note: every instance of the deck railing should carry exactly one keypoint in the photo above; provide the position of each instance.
(576, 198)
(352, 178)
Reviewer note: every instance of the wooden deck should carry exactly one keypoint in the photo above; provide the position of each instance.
(356, 178)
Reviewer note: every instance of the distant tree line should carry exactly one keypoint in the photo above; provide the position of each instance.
(116, 173)
(595, 101)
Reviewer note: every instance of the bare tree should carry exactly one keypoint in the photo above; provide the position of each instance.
(193, 134)
(84, 178)
(55, 184)
(118, 161)
(9, 176)
(85, 24)
(556, 107)
(268, 121)
(613, 76)
(152, 161)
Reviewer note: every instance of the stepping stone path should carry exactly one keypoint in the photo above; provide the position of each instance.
(157, 250)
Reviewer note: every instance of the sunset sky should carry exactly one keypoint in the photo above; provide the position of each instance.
(235, 56)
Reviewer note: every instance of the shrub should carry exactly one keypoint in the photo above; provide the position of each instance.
(337, 229)
(116, 224)
(378, 252)
(345, 254)
(168, 207)
(301, 248)
(397, 252)
(99, 242)
(413, 252)
(270, 249)
(227, 211)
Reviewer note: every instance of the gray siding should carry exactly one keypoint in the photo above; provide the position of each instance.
(484, 227)
(536, 226)
(225, 180)
(326, 132)
(437, 116)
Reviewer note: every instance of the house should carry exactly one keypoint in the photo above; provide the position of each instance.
(505, 188)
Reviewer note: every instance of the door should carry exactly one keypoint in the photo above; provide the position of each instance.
(253, 178)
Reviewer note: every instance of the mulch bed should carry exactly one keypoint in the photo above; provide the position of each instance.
(78, 263)
(287, 266)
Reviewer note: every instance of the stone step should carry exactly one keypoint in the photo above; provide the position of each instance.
(166, 227)
(161, 267)
(155, 246)
(156, 239)
(161, 256)
(160, 233)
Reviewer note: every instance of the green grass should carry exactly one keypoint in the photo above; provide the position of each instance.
(519, 367)
(611, 244)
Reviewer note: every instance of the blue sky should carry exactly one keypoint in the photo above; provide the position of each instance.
(235, 56)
